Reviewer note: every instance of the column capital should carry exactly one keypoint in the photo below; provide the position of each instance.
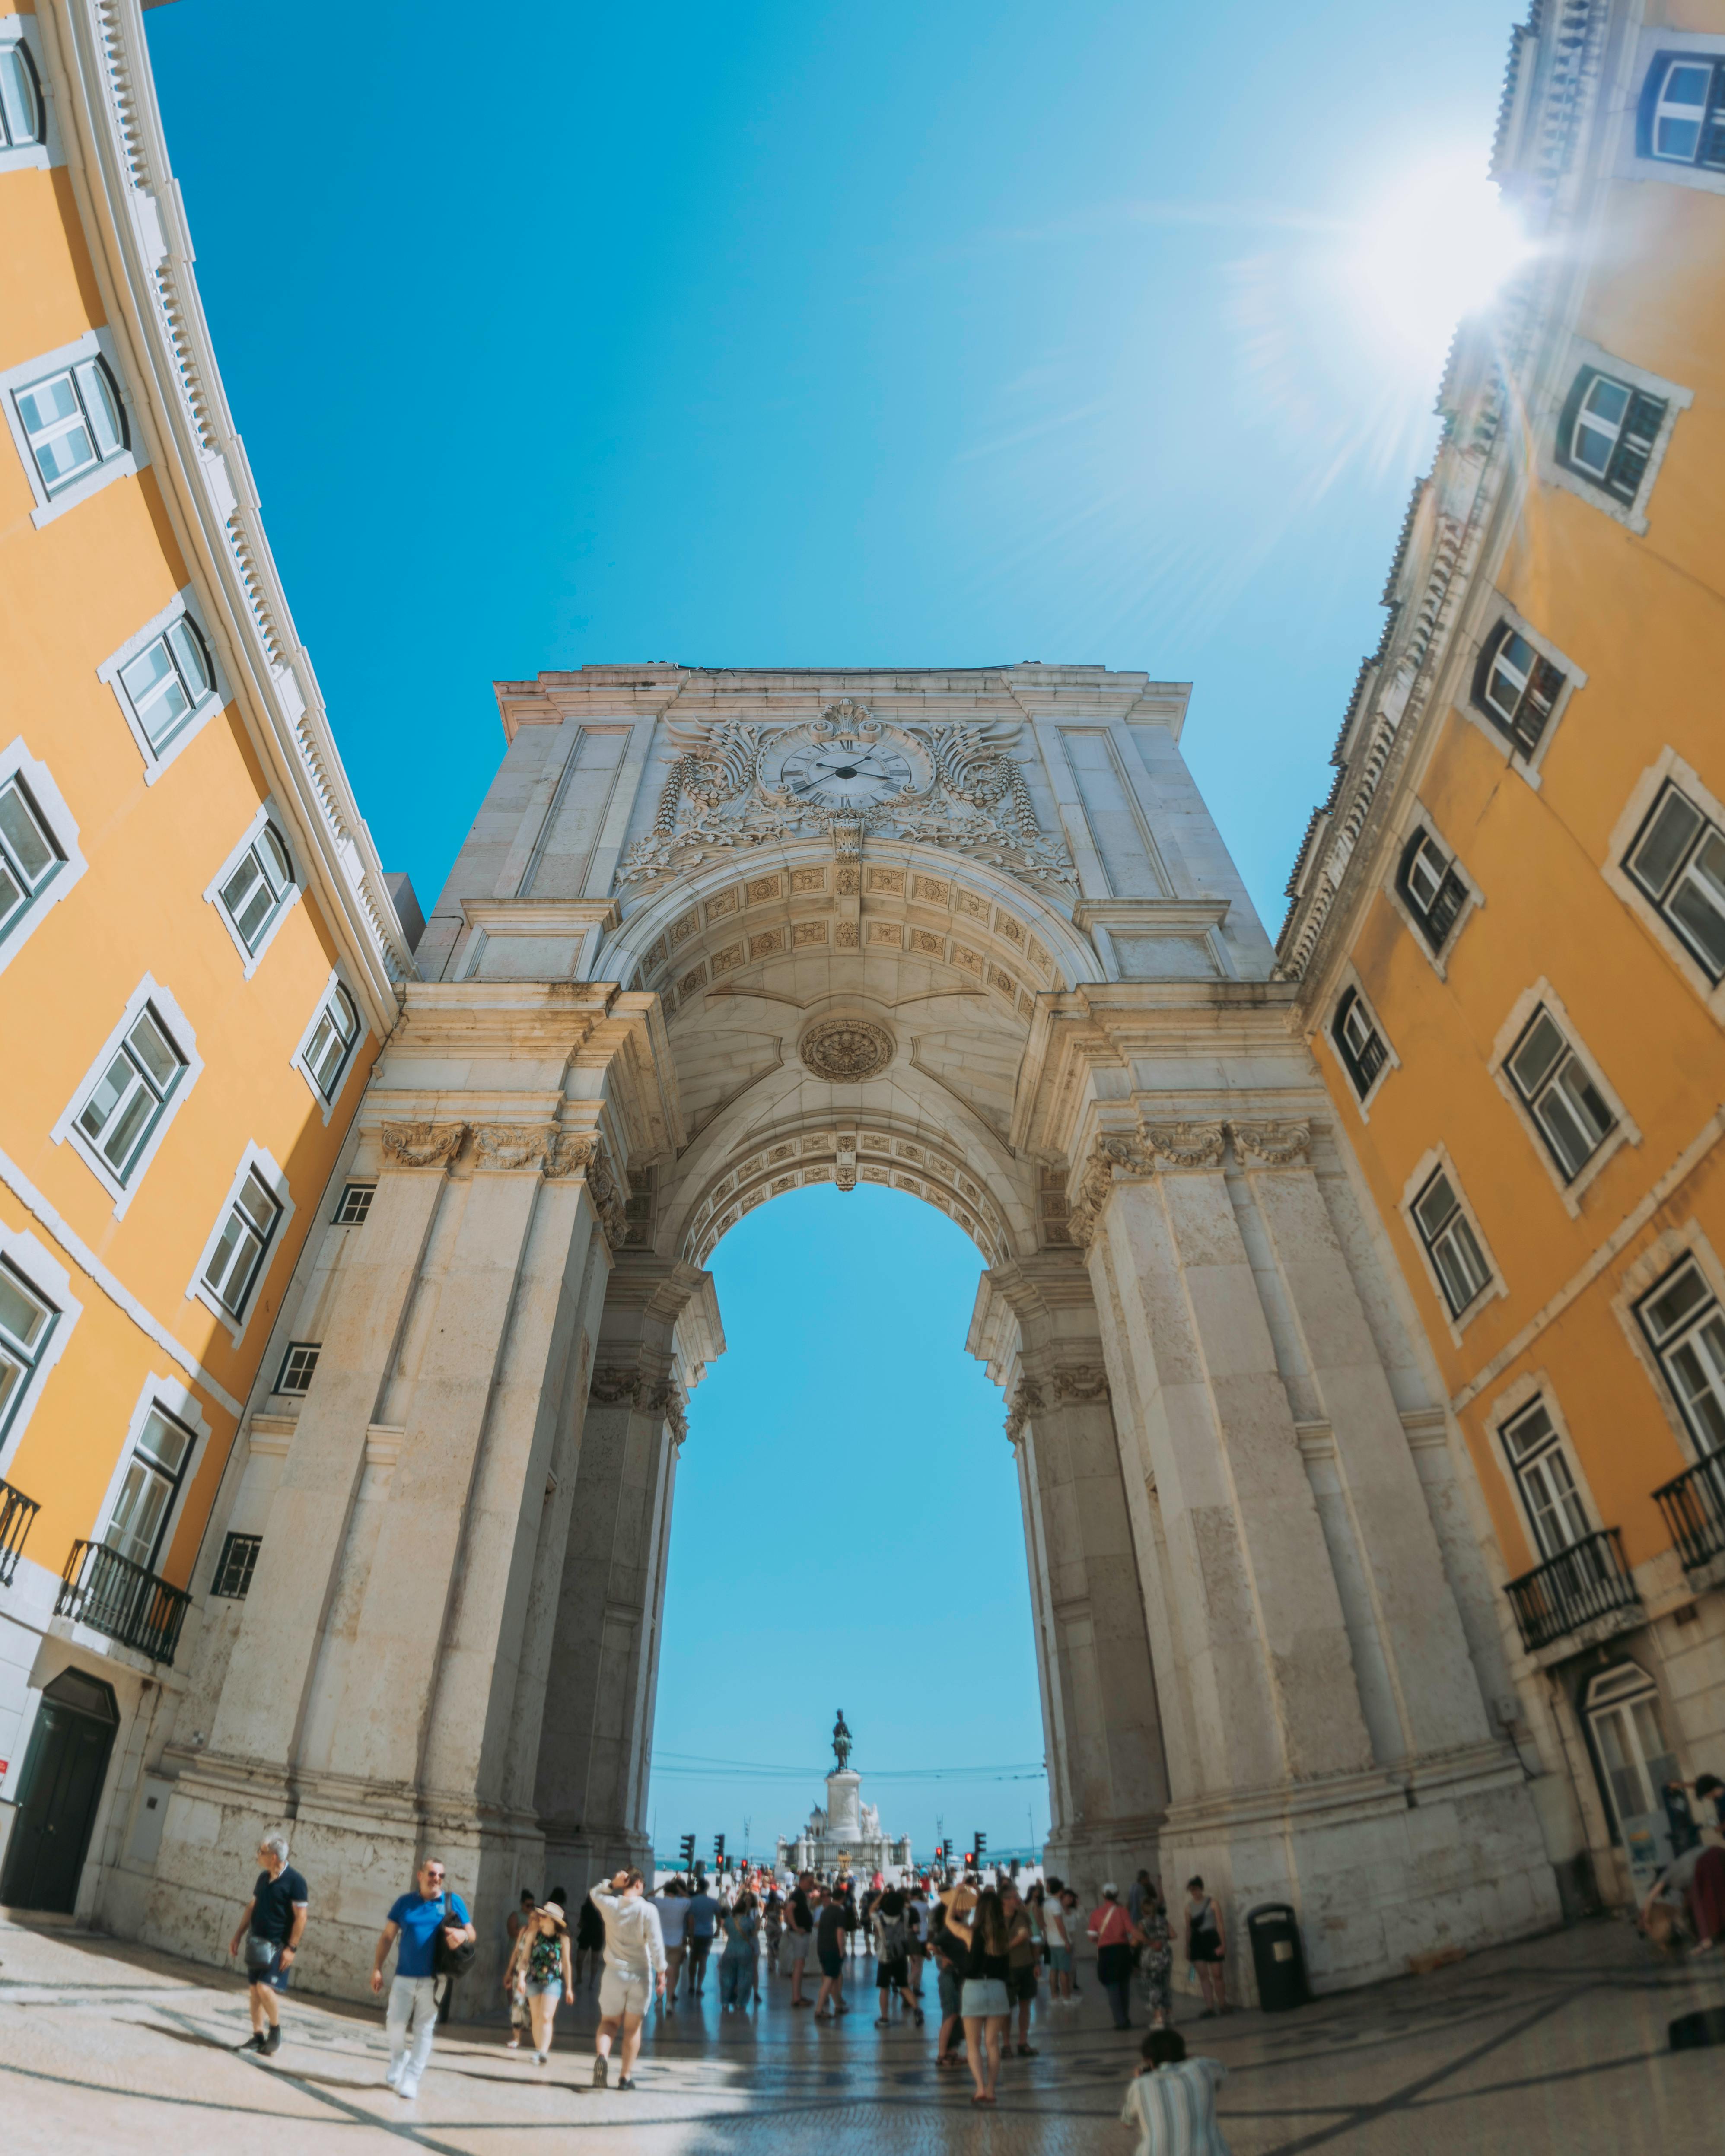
(421, 1145)
(1271, 1145)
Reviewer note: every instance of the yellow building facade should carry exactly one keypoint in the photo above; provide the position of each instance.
(199, 954)
(1508, 923)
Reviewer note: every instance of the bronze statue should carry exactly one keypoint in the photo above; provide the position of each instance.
(841, 1741)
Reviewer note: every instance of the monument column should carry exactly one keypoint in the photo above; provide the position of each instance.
(1107, 1777)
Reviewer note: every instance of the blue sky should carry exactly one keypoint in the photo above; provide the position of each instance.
(814, 334)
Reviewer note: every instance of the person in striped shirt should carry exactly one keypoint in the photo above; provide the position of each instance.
(1172, 2101)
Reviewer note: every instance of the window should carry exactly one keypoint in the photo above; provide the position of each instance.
(331, 1042)
(1558, 1087)
(169, 679)
(73, 422)
(1623, 1713)
(29, 859)
(1607, 431)
(1517, 686)
(355, 1204)
(23, 118)
(1686, 125)
(258, 886)
(1686, 1329)
(1435, 894)
(235, 1566)
(246, 1233)
(1451, 1242)
(129, 1097)
(1358, 1042)
(146, 1502)
(297, 1366)
(26, 1321)
(1678, 859)
(1548, 1488)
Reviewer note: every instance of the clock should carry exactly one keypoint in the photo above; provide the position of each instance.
(845, 773)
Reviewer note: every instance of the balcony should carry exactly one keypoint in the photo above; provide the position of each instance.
(17, 1510)
(111, 1594)
(1694, 1508)
(1581, 1585)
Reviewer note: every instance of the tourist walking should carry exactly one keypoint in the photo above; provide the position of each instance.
(1158, 1963)
(539, 1968)
(951, 1958)
(703, 1922)
(1207, 1948)
(1115, 1935)
(829, 1952)
(892, 1956)
(635, 1965)
(415, 1924)
(1024, 1961)
(513, 1925)
(590, 1942)
(799, 1934)
(739, 1964)
(270, 1928)
(1173, 2100)
(1057, 1929)
(772, 1927)
(916, 1927)
(672, 1903)
(979, 1923)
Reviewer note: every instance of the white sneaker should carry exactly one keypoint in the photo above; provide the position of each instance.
(406, 2091)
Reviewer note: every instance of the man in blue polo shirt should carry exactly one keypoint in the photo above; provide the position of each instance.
(414, 1922)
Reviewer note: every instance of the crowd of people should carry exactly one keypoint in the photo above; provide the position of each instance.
(991, 1945)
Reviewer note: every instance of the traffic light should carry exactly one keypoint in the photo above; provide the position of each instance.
(982, 1849)
(718, 1852)
(686, 1853)
(946, 1852)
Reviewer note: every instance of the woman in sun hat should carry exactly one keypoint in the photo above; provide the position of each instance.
(541, 1964)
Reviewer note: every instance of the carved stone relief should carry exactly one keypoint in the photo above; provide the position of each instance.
(1026, 1402)
(509, 1146)
(1273, 1145)
(581, 1154)
(846, 1050)
(421, 1145)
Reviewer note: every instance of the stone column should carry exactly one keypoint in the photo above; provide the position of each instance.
(1107, 1779)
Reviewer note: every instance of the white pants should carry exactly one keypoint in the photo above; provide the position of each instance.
(413, 2000)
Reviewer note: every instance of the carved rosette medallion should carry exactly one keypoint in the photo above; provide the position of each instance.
(510, 1146)
(1271, 1145)
(846, 1050)
(421, 1145)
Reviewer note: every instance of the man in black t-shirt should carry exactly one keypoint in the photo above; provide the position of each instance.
(271, 1929)
(829, 1951)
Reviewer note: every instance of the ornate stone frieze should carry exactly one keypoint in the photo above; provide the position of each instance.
(846, 1049)
(1271, 1145)
(511, 1145)
(1087, 1384)
(616, 1385)
(581, 1154)
(421, 1145)
(1106, 1156)
(1026, 1401)
(1185, 1145)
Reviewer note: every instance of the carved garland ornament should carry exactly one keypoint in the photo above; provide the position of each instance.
(623, 1384)
(1026, 1401)
(507, 1146)
(421, 1145)
(1088, 1385)
(1274, 1145)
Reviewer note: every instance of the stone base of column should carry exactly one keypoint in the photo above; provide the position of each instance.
(1088, 1856)
(1383, 1867)
(357, 1843)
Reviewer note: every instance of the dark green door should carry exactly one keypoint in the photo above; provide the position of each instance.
(64, 1768)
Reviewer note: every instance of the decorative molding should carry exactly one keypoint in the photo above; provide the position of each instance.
(616, 1384)
(846, 1050)
(1026, 1402)
(1271, 1145)
(581, 1153)
(1086, 1384)
(507, 1146)
(421, 1145)
(1108, 1155)
(1185, 1145)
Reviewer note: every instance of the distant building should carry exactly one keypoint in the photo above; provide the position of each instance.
(197, 962)
(1508, 924)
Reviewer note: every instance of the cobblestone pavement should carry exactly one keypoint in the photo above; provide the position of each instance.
(1556, 2044)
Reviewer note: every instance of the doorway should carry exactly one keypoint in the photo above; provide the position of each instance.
(65, 1770)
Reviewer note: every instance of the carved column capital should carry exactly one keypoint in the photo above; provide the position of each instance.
(616, 1385)
(421, 1145)
(1184, 1145)
(1026, 1401)
(1109, 1156)
(581, 1153)
(1083, 1383)
(511, 1146)
(1271, 1145)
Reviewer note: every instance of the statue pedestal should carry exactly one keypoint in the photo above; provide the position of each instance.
(845, 1806)
(846, 1830)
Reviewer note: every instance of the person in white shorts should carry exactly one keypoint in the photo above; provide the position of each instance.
(634, 1969)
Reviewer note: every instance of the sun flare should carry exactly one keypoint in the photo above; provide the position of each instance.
(1437, 248)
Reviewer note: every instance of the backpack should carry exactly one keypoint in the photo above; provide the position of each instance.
(892, 1937)
(452, 1961)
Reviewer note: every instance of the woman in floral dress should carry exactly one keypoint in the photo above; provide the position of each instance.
(1157, 1965)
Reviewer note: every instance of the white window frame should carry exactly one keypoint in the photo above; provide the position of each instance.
(250, 960)
(182, 605)
(275, 1181)
(1663, 172)
(1435, 1160)
(1624, 1130)
(1628, 1696)
(1346, 979)
(1664, 1256)
(67, 1129)
(1513, 1401)
(33, 157)
(94, 343)
(172, 1397)
(1584, 353)
(315, 1347)
(49, 1279)
(1660, 1351)
(1669, 769)
(16, 761)
(1498, 613)
(300, 1056)
(1420, 822)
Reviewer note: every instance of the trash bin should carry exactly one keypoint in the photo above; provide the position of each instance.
(1277, 1960)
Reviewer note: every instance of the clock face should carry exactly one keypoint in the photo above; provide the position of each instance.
(844, 772)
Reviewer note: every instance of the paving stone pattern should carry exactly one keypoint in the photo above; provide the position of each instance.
(1555, 2044)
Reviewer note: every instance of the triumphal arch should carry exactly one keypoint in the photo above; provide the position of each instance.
(970, 934)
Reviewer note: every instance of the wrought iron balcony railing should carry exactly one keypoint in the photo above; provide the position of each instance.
(1694, 1508)
(111, 1594)
(1588, 1580)
(17, 1510)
